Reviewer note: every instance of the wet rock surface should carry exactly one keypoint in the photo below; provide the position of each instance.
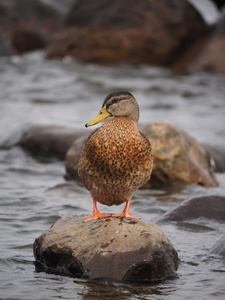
(149, 31)
(110, 248)
(178, 157)
(211, 207)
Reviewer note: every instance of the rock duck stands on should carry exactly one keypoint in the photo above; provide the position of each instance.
(109, 248)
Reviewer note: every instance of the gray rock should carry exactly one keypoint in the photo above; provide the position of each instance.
(110, 248)
(211, 207)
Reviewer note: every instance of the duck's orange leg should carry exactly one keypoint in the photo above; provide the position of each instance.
(96, 214)
(125, 212)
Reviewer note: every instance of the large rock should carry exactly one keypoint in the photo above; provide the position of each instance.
(178, 157)
(207, 54)
(109, 32)
(28, 25)
(211, 207)
(110, 248)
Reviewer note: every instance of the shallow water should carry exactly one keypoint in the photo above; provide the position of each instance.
(34, 192)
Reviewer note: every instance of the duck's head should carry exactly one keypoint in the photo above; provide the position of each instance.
(117, 104)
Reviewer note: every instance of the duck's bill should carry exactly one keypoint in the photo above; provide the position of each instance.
(102, 115)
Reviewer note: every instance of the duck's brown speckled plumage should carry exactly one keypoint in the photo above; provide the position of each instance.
(116, 161)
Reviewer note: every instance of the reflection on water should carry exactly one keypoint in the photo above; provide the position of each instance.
(34, 192)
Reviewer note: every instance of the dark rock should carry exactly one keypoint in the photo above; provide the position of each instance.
(207, 54)
(178, 157)
(28, 25)
(211, 207)
(110, 32)
(217, 152)
(50, 140)
(110, 248)
(25, 40)
(219, 247)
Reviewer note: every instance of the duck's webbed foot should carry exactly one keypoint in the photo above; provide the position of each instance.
(125, 213)
(96, 214)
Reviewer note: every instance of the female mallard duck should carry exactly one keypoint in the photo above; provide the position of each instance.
(117, 158)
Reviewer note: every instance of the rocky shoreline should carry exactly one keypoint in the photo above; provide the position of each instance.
(169, 34)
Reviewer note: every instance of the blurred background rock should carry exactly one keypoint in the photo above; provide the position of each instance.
(186, 36)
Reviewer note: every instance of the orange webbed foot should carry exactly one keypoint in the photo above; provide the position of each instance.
(96, 214)
(125, 213)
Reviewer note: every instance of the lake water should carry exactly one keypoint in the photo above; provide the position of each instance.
(34, 192)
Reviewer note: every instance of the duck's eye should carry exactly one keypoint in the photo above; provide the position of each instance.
(115, 100)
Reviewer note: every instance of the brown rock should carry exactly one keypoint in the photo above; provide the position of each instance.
(207, 54)
(50, 140)
(178, 157)
(109, 32)
(211, 207)
(27, 40)
(110, 248)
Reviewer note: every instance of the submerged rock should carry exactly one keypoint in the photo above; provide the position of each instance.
(211, 207)
(110, 248)
(111, 32)
(178, 157)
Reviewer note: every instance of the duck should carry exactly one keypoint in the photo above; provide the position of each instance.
(116, 159)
